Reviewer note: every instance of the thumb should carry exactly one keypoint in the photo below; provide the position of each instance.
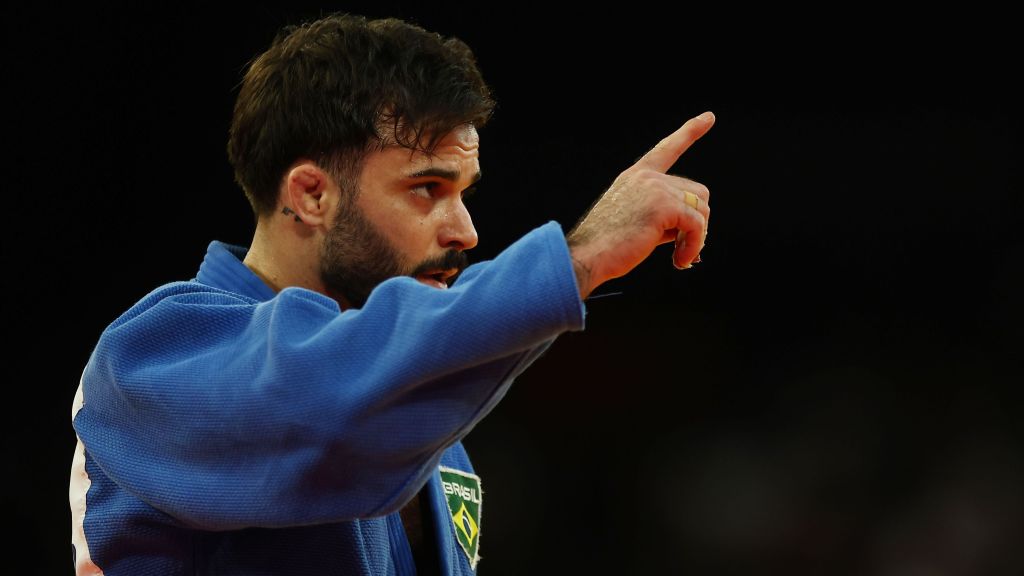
(671, 147)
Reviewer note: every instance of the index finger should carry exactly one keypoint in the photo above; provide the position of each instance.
(671, 147)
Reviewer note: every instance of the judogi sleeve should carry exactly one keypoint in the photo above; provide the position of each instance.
(225, 412)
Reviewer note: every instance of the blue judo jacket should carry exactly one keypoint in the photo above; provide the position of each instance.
(225, 429)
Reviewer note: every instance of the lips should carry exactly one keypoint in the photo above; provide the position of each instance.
(437, 278)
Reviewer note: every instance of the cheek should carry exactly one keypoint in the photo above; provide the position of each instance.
(409, 222)
(413, 236)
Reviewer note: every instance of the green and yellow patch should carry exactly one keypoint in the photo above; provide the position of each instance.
(464, 496)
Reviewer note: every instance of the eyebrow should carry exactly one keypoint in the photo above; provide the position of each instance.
(452, 175)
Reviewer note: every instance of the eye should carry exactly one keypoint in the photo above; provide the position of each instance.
(425, 190)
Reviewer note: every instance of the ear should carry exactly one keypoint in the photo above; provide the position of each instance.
(309, 194)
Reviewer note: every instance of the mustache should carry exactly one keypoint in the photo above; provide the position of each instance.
(451, 259)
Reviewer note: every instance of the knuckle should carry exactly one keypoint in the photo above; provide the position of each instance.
(698, 218)
(647, 175)
(698, 188)
(671, 194)
(692, 186)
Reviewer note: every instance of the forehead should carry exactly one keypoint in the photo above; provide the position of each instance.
(461, 145)
(464, 136)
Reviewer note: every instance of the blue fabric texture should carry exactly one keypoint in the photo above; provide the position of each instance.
(229, 429)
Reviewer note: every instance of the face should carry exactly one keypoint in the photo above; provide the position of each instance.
(407, 218)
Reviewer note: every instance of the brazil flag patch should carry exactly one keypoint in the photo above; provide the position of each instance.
(464, 496)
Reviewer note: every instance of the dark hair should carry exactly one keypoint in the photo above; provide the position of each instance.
(334, 89)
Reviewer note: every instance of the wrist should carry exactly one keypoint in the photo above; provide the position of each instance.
(582, 266)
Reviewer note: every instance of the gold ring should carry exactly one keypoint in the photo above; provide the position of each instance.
(692, 199)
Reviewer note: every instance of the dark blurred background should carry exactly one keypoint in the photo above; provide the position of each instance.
(832, 391)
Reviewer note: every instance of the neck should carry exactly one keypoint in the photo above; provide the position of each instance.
(282, 259)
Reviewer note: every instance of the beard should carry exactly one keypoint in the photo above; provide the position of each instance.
(356, 257)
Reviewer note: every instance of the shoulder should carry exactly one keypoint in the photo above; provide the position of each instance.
(187, 308)
(187, 293)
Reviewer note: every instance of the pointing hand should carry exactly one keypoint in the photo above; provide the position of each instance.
(643, 208)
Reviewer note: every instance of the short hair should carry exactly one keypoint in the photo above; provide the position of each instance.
(334, 89)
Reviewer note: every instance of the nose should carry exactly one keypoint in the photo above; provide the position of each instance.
(457, 231)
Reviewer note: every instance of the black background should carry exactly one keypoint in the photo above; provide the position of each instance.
(832, 391)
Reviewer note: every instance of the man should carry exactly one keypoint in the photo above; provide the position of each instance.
(297, 408)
